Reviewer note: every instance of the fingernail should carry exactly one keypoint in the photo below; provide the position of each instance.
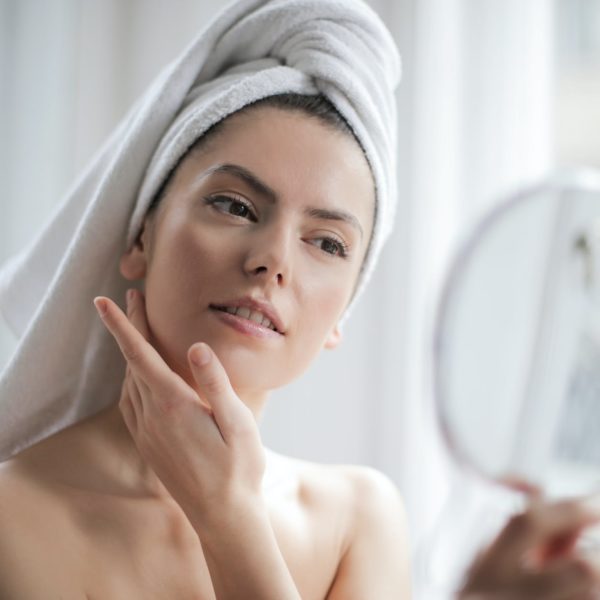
(100, 305)
(201, 355)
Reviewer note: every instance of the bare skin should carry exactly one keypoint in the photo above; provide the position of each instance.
(101, 510)
(96, 511)
(74, 527)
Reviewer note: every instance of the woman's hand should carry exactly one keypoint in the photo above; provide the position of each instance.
(205, 457)
(211, 460)
(534, 557)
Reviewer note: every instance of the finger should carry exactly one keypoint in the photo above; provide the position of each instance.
(230, 413)
(566, 578)
(517, 483)
(127, 410)
(142, 357)
(541, 534)
(136, 312)
(558, 524)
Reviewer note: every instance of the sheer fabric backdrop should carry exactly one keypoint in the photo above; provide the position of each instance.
(475, 120)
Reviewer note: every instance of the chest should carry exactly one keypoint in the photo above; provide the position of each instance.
(140, 552)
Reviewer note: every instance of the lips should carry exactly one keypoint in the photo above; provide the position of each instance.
(245, 326)
(264, 307)
(245, 313)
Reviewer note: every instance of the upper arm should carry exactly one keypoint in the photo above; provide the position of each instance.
(9, 545)
(21, 539)
(375, 563)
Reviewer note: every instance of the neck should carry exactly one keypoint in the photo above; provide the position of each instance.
(136, 473)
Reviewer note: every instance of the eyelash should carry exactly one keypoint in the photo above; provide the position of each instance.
(211, 200)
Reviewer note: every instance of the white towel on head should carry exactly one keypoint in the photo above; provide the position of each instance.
(66, 366)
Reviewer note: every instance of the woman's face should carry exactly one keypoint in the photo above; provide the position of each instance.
(218, 237)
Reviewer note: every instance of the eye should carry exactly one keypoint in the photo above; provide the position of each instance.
(243, 210)
(240, 208)
(339, 248)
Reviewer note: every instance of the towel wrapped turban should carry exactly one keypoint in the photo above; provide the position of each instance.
(66, 367)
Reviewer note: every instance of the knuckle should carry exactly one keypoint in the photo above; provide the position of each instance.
(132, 353)
(241, 427)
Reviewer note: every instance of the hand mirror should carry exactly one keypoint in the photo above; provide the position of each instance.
(516, 350)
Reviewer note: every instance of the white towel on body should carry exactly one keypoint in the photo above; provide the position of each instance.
(66, 365)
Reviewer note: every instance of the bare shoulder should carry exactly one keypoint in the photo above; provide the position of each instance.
(22, 494)
(358, 489)
(23, 518)
(34, 529)
(374, 560)
(367, 484)
(373, 501)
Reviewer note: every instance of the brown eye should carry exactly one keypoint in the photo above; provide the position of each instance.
(237, 207)
(338, 247)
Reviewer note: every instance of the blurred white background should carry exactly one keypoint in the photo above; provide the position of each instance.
(495, 94)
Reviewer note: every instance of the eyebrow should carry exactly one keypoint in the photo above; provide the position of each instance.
(261, 188)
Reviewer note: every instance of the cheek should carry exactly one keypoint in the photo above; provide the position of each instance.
(185, 262)
(180, 282)
(318, 312)
(332, 302)
(322, 308)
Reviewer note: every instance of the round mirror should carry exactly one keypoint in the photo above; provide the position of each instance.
(516, 356)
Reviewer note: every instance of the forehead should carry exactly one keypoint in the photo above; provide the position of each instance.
(305, 161)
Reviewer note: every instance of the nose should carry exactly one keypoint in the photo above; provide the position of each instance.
(269, 254)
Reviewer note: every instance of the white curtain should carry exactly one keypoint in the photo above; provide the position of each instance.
(481, 125)
(474, 122)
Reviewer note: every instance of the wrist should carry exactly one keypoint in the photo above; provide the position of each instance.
(239, 545)
(228, 512)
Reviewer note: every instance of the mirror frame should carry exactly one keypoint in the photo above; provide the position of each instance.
(565, 180)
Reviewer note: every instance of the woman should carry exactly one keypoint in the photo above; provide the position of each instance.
(273, 201)
(230, 224)
(256, 170)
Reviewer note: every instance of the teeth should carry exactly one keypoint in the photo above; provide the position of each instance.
(254, 315)
(242, 311)
(267, 323)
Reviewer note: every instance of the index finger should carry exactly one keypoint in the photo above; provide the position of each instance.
(136, 312)
(546, 531)
(562, 517)
(141, 356)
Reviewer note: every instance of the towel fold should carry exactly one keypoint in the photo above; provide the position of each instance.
(66, 366)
